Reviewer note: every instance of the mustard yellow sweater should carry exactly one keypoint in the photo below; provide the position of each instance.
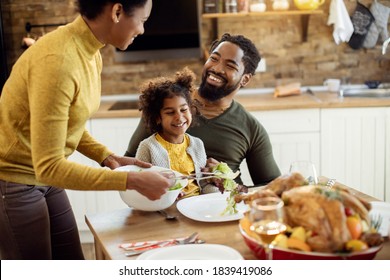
(52, 91)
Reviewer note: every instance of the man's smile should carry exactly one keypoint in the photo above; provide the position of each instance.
(215, 78)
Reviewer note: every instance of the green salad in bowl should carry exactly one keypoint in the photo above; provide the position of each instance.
(135, 200)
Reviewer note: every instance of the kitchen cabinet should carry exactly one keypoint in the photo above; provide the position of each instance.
(354, 148)
(305, 16)
(82, 201)
(115, 133)
(387, 163)
(294, 134)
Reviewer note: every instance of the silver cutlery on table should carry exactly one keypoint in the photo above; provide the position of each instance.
(192, 239)
(167, 216)
(142, 245)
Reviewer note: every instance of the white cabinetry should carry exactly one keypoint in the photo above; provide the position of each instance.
(115, 133)
(294, 134)
(387, 167)
(82, 201)
(353, 147)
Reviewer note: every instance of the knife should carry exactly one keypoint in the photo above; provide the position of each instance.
(309, 91)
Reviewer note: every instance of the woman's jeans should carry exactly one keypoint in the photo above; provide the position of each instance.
(37, 222)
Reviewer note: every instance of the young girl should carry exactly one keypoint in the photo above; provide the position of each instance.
(166, 107)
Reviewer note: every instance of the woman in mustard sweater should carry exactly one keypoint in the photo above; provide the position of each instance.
(52, 91)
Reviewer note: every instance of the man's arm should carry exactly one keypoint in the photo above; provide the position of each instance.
(260, 159)
(140, 134)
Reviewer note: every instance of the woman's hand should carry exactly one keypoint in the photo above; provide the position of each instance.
(114, 161)
(151, 184)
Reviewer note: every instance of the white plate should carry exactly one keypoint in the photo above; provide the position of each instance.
(383, 209)
(209, 207)
(192, 252)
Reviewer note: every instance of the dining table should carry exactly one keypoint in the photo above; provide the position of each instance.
(128, 225)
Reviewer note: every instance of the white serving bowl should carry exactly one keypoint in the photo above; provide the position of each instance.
(140, 202)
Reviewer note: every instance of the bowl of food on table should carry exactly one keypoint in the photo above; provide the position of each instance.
(138, 201)
(321, 222)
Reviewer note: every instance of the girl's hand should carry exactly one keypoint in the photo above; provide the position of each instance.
(210, 163)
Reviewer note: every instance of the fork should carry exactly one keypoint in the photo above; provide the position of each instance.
(192, 176)
(330, 183)
(376, 221)
(199, 176)
(188, 240)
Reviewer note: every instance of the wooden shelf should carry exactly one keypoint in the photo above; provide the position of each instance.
(303, 14)
(261, 14)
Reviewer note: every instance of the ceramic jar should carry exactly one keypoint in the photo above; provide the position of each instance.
(257, 6)
(280, 5)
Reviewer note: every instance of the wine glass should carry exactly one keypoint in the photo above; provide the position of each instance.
(266, 217)
(306, 169)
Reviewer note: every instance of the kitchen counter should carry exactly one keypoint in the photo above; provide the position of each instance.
(261, 101)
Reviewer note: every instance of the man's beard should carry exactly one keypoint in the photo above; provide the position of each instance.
(212, 93)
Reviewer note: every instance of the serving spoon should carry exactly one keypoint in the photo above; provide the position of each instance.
(199, 176)
(166, 215)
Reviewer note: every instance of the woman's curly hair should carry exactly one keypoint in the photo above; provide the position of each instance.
(154, 92)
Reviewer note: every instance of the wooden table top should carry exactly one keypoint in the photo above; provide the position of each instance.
(128, 225)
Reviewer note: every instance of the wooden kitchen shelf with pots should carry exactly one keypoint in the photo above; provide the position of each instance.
(305, 15)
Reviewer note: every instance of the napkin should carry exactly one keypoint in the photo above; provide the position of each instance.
(362, 19)
(379, 26)
(342, 24)
(147, 244)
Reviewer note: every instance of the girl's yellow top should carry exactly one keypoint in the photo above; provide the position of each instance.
(181, 162)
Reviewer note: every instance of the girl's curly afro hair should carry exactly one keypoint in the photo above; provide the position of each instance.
(155, 91)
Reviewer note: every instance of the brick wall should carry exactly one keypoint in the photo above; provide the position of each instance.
(278, 38)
